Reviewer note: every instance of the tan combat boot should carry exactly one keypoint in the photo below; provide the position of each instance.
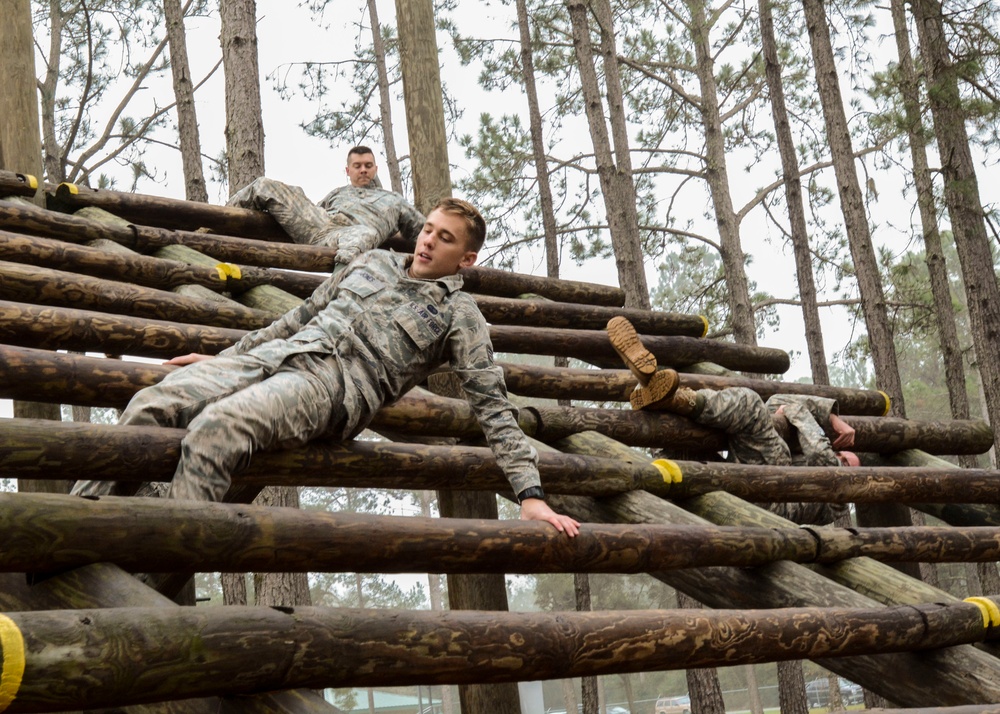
(662, 386)
(683, 401)
(640, 361)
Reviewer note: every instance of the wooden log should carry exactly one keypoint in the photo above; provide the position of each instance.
(102, 657)
(103, 585)
(15, 184)
(145, 270)
(955, 676)
(135, 454)
(48, 532)
(957, 515)
(26, 373)
(145, 239)
(89, 331)
(549, 313)
(670, 351)
(501, 283)
(617, 384)
(58, 288)
(662, 429)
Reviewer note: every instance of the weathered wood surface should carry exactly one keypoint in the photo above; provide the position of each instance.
(104, 585)
(85, 451)
(57, 288)
(50, 376)
(956, 515)
(617, 385)
(15, 184)
(100, 658)
(89, 331)
(548, 313)
(958, 675)
(53, 532)
(146, 270)
(671, 351)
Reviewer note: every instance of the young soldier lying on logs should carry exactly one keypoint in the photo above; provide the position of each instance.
(362, 339)
(746, 420)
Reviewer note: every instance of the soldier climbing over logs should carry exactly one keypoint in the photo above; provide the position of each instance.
(353, 219)
(746, 420)
(365, 337)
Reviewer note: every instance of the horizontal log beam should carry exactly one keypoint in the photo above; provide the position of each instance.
(49, 376)
(53, 532)
(58, 288)
(617, 384)
(101, 658)
(15, 184)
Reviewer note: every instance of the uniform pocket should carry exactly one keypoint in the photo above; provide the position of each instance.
(421, 323)
(362, 284)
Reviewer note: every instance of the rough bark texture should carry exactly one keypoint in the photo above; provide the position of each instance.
(793, 201)
(187, 119)
(420, 67)
(717, 175)
(384, 103)
(616, 186)
(545, 203)
(590, 693)
(880, 338)
(20, 137)
(961, 195)
(703, 683)
(792, 688)
(244, 123)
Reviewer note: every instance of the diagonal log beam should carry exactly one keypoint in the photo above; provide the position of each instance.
(119, 656)
(53, 532)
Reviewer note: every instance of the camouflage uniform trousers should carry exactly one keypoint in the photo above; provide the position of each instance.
(746, 420)
(232, 408)
(353, 220)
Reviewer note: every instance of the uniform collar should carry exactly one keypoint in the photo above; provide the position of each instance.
(451, 283)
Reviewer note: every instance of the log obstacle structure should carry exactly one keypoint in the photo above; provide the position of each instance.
(110, 273)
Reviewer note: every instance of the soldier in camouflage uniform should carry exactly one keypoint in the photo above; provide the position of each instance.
(746, 420)
(365, 337)
(354, 219)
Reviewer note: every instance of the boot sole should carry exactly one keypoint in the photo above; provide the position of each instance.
(640, 361)
(662, 386)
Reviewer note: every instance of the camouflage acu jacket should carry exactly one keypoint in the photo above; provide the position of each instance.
(382, 333)
(384, 211)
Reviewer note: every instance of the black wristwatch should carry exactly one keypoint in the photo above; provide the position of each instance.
(532, 492)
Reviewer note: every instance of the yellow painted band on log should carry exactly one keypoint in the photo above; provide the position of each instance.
(12, 662)
(31, 181)
(888, 402)
(704, 321)
(228, 270)
(991, 613)
(670, 470)
(71, 187)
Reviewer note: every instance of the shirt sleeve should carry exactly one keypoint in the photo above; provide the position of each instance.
(292, 321)
(483, 383)
(806, 413)
(411, 222)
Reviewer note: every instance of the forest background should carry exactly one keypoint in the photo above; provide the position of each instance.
(676, 156)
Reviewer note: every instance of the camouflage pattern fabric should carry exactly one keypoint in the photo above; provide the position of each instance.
(363, 339)
(354, 220)
(746, 420)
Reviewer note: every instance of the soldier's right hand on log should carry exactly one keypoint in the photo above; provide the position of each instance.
(189, 358)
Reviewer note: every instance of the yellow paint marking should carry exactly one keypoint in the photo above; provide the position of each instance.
(12, 664)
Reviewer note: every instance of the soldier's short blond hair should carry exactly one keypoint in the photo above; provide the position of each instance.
(475, 224)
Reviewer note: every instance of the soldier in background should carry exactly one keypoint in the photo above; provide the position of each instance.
(747, 421)
(353, 219)
(367, 335)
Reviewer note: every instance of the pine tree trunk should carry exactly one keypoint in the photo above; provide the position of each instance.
(934, 254)
(717, 175)
(961, 195)
(833, 686)
(384, 102)
(753, 690)
(20, 140)
(281, 589)
(589, 694)
(54, 165)
(703, 683)
(792, 688)
(617, 187)
(422, 93)
(187, 120)
(873, 305)
(546, 205)
(244, 125)
(793, 199)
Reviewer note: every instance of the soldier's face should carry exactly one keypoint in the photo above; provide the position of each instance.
(361, 169)
(441, 247)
